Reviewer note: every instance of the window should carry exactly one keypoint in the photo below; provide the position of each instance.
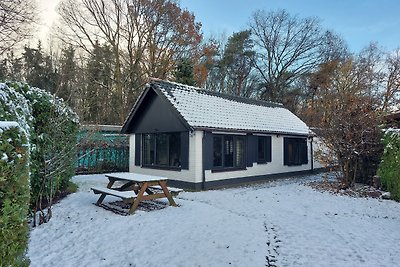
(295, 151)
(217, 149)
(264, 149)
(228, 151)
(162, 149)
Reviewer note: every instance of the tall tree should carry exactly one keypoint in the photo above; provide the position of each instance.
(233, 69)
(39, 69)
(238, 61)
(348, 118)
(17, 19)
(146, 38)
(391, 93)
(68, 73)
(288, 47)
(184, 72)
(99, 99)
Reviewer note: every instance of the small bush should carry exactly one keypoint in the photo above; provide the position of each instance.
(389, 169)
(72, 187)
(14, 195)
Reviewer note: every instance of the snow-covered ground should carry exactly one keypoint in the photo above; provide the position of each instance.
(282, 223)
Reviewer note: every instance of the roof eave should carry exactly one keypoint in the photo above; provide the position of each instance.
(216, 129)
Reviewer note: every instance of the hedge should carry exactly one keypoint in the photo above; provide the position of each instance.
(53, 152)
(389, 169)
(14, 195)
(37, 159)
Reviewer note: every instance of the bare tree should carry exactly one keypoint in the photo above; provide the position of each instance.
(17, 19)
(287, 46)
(391, 94)
(146, 37)
(348, 118)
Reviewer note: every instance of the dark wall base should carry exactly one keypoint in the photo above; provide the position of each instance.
(238, 181)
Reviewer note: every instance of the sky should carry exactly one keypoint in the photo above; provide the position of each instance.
(359, 22)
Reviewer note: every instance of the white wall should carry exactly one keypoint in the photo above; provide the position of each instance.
(193, 175)
(273, 167)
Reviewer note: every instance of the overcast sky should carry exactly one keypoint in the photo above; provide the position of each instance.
(359, 22)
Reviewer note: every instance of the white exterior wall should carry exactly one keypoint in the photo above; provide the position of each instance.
(193, 175)
(273, 167)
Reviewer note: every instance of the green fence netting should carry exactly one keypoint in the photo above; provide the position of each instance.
(102, 151)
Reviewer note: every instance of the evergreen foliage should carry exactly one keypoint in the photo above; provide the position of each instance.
(51, 129)
(389, 167)
(184, 72)
(14, 196)
(39, 68)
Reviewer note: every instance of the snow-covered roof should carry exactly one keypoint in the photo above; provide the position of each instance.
(205, 109)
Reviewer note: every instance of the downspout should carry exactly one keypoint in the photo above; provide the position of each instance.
(312, 155)
(203, 182)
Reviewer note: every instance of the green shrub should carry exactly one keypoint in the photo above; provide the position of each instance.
(54, 143)
(389, 168)
(14, 195)
(51, 128)
(37, 159)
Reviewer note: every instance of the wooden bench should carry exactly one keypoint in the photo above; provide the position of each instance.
(112, 192)
(173, 190)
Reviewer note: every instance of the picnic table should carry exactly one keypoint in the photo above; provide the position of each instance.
(134, 188)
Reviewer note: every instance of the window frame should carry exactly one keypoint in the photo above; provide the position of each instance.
(299, 146)
(234, 166)
(267, 149)
(155, 165)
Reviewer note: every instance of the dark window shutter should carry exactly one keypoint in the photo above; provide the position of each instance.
(303, 151)
(185, 150)
(208, 150)
(252, 149)
(268, 148)
(285, 151)
(138, 148)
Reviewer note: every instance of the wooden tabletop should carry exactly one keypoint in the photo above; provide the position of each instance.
(136, 177)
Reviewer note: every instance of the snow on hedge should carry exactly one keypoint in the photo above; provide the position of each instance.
(15, 107)
(17, 100)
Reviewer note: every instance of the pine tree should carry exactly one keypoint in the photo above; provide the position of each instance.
(67, 87)
(98, 96)
(39, 69)
(184, 72)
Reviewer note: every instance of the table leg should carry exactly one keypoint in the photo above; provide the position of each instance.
(109, 185)
(163, 185)
(137, 200)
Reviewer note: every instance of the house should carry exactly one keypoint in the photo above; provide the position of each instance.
(201, 139)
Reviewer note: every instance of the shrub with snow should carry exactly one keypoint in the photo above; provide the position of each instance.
(51, 128)
(14, 194)
(37, 159)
